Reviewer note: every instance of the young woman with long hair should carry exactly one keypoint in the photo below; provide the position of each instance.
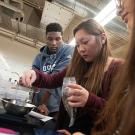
(93, 68)
(117, 118)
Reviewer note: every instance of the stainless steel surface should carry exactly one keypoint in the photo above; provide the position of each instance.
(17, 107)
(12, 90)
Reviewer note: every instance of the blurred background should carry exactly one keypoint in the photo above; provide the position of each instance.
(23, 23)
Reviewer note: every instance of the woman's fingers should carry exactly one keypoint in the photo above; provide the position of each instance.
(63, 131)
(43, 109)
(74, 98)
(77, 133)
(33, 77)
(75, 92)
(74, 86)
(75, 101)
(77, 95)
(75, 104)
(28, 78)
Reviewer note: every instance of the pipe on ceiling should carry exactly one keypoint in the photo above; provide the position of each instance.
(9, 6)
(33, 5)
(91, 11)
(20, 2)
(21, 38)
(80, 8)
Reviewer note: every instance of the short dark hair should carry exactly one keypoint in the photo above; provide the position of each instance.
(54, 27)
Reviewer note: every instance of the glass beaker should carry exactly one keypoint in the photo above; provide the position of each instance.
(71, 111)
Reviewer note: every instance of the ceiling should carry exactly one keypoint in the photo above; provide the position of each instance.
(36, 14)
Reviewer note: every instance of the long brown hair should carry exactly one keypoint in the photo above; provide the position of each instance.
(110, 117)
(90, 75)
(129, 115)
(119, 114)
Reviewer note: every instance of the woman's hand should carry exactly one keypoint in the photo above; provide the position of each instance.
(28, 78)
(77, 133)
(64, 132)
(77, 95)
(43, 109)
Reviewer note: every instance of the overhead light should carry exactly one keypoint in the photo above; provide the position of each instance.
(107, 14)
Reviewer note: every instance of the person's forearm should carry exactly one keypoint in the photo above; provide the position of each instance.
(95, 102)
(49, 81)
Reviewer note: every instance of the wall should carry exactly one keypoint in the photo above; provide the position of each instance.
(14, 57)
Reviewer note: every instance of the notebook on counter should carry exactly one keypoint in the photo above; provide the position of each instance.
(40, 116)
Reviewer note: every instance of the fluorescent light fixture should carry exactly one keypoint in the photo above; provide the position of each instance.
(107, 14)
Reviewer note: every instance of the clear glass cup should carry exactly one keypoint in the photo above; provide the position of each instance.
(71, 111)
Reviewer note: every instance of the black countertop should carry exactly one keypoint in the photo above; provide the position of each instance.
(26, 125)
(23, 125)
